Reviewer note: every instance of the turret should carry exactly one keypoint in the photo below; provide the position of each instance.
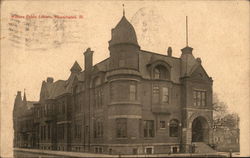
(123, 46)
(24, 102)
(18, 100)
(187, 61)
(17, 104)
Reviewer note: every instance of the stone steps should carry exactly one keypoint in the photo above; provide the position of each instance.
(201, 147)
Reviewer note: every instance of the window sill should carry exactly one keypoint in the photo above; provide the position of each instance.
(125, 102)
(173, 136)
(148, 138)
(122, 138)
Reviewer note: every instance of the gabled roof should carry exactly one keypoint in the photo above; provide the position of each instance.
(103, 65)
(76, 67)
(55, 89)
(199, 72)
(146, 57)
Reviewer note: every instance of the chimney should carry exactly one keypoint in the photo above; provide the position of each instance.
(18, 93)
(50, 80)
(169, 51)
(88, 60)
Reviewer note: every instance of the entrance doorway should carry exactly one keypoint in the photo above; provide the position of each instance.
(200, 130)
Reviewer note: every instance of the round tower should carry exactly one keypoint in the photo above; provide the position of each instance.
(123, 46)
(124, 109)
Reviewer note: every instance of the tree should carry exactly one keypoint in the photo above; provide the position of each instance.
(220, 108)
(221, 115)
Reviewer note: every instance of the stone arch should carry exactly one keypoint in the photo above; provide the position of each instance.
(162, 66)
(195, 115)
(161, 72)
(200, 129)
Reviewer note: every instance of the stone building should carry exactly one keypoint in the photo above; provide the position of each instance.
(133, 102)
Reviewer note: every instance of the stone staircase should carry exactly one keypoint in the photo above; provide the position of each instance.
(201, 147)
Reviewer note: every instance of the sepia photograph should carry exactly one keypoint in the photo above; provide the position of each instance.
(131, 78)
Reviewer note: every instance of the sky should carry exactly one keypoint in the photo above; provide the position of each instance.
(218, 32)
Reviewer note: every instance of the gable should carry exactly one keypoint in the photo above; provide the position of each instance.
(199, 73)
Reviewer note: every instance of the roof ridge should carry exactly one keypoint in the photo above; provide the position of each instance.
(154, 53)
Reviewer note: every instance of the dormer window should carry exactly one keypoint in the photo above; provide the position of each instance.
(157, 73)
(161, 72)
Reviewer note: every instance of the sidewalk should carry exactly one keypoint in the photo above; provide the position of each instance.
(81, 154)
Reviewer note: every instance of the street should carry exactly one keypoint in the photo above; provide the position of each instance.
(21, 154)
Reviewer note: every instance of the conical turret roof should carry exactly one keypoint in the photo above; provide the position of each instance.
(124, 32)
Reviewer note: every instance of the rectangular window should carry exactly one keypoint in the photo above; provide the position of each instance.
(98, 129)
(165, 95)
(38, 112)
(132, 92)
(98, 94)
(49, 130)
(63, 107)
(149, 150)
(156, 94)
(162, 124)
(199, 98)
(203, 99)
(148, 128)
(135, 151)
(95, 129)
(78, 129)
(101, 97)
(60, 132)
(96, 98)
(44, 132)
(45, 109)
(41, 133)
(195, 98)
(121, 128)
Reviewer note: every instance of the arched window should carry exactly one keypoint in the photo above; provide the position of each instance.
(161, 72)
(174, 128)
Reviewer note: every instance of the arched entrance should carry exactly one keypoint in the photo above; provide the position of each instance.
(200, 130)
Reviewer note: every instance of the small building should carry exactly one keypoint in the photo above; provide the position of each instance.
(23, 122)
(226, 138)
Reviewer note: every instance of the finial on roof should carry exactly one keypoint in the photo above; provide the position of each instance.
(24, 96)
(187, 31)
(123, 10)
(198, 60)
